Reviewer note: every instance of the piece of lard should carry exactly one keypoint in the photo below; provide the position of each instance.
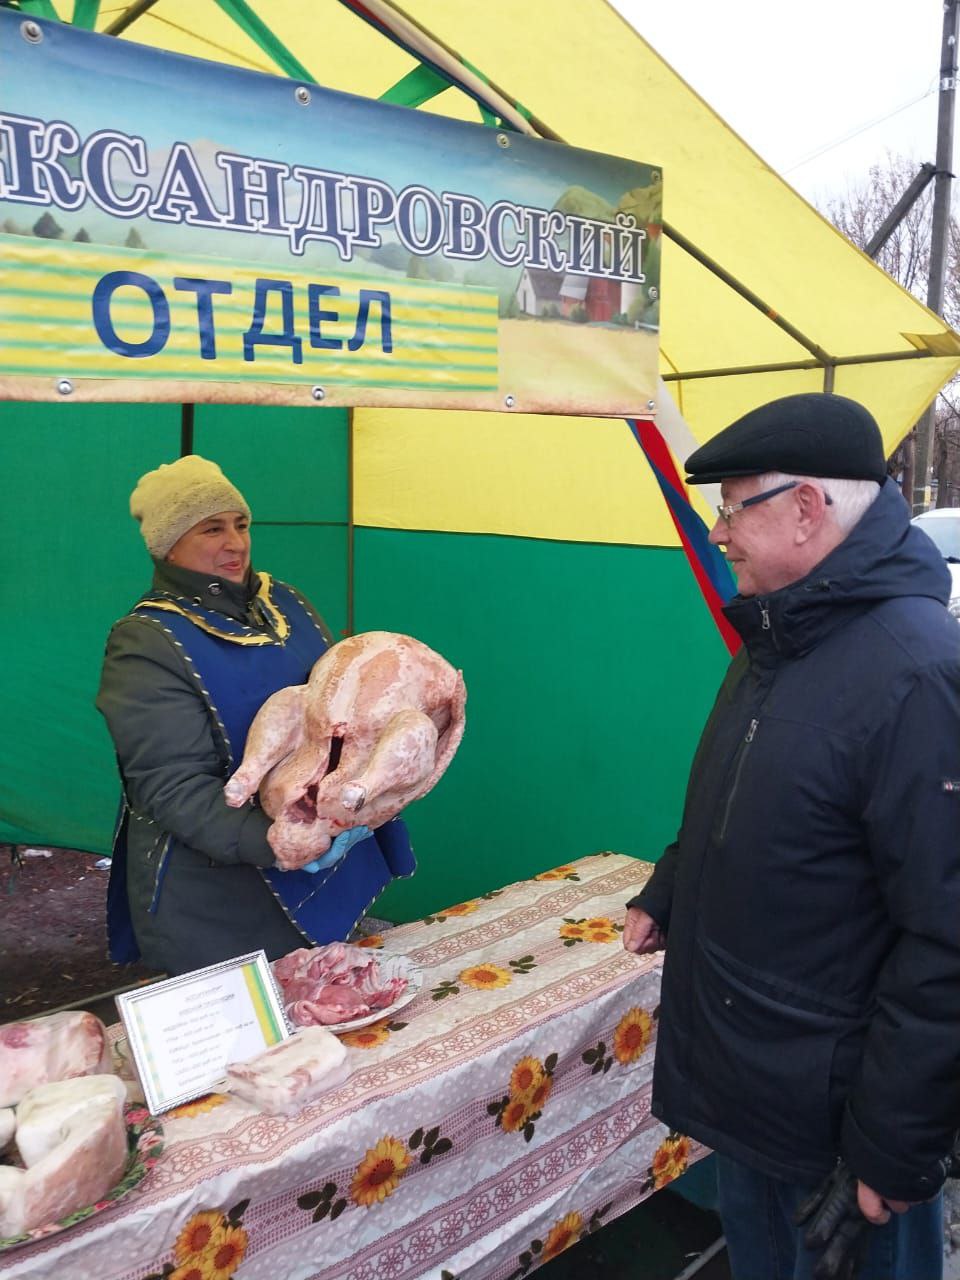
(8, 1123)
(287, 1076)
(57, 1046)
(47, 1112)
(78, 1152)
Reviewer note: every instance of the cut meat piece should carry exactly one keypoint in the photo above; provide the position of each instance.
(59, 1046)
(323, 1012)
(336, 983)
(380, 992)
(82, 1169)
(290, 1074)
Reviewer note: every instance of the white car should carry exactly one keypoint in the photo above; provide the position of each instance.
(943, 528)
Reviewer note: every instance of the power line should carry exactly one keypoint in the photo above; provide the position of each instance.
(854, 133)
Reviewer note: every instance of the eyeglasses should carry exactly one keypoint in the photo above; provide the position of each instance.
(727, 510)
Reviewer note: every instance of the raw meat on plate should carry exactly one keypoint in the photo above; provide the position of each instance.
(333, 984)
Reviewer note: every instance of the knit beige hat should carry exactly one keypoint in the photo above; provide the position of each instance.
(169, 501)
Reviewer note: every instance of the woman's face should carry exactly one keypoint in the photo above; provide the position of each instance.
(219, 546)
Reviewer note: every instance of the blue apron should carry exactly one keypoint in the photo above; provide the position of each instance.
(235, 668)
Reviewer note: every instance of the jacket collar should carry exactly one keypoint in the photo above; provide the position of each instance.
(220, 595)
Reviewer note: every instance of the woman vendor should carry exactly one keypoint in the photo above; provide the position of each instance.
(193, 881)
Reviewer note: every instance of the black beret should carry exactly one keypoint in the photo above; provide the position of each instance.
(806, 435)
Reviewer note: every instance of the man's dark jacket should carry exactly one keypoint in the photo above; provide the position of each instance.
(811, 993)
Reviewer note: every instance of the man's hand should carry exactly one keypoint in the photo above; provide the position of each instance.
(836, 1227)
(875, 1208)
(641, 933)
(839, 1215)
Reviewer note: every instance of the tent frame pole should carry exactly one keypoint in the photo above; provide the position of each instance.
(787, 366)
(536, 126)
(186, 429)
(822, 357)
(128, 17)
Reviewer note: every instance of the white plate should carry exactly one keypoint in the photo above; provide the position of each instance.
(390, 967)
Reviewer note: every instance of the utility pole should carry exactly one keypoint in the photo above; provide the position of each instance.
(940, 232)
(911, 195)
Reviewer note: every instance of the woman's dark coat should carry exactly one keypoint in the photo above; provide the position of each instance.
(214, 902)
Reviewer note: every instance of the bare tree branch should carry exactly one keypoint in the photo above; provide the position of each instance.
(906, 257)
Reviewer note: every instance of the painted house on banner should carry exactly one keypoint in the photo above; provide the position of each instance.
(538, 292)
(545, 293)
(573, 293)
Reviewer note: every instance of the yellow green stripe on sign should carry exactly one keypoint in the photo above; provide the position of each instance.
(145, 1041)
(407, 333)
(269, 1025)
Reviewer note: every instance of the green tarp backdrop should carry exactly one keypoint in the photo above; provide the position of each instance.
(589, 668)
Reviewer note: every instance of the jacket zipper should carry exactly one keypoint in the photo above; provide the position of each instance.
(741, 760)
(766, 624)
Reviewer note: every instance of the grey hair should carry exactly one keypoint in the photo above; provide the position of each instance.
(850, 498)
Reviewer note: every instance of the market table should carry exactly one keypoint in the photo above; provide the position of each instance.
(498, 1118)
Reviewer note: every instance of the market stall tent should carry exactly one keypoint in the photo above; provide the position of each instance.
(536, 553)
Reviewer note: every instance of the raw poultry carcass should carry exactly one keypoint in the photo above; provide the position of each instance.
(372, 730)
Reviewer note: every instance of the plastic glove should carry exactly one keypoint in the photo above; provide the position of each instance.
(836, 1227)
(343, 843)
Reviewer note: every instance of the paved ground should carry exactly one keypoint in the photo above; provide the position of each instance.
(53, 945)
(655, 1241)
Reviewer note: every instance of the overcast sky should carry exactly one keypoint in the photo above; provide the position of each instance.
(796, 79)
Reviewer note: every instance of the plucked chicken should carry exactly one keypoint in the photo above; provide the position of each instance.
(372, 730)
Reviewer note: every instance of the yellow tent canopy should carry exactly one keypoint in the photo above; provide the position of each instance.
(761, 295)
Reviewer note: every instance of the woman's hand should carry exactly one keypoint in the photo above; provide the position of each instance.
(343, 844)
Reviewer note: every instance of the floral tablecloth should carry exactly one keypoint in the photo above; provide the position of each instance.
(503, 1115)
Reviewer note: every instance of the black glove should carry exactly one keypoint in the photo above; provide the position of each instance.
(951, 1166)
(835, 1226)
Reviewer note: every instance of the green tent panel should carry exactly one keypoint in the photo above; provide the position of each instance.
(589, 667)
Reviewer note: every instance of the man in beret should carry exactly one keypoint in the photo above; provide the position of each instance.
(810, 906)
